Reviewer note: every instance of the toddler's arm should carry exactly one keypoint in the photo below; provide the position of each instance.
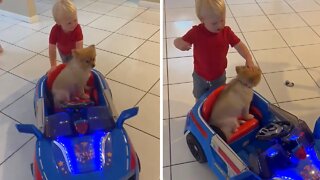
(244, 52)
(52, 55)
(79, 44)
(181, 44)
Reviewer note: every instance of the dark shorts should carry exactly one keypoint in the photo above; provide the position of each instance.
(200, 85)
(65, 58)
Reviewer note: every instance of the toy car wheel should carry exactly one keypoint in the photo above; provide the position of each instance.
(196, 148)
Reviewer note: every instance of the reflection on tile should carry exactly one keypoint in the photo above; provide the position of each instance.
(191, 171)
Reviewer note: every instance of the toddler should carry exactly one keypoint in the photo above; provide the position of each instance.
(211, 40)
(66, 34)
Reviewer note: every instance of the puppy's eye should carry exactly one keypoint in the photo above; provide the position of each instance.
(87, 61)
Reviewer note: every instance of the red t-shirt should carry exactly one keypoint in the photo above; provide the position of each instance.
(210, 50)
(65, 41)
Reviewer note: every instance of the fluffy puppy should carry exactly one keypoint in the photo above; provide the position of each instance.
(72, 80)
(234, 100)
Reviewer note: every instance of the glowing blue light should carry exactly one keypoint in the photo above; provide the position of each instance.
(95, 152)
(272, 152)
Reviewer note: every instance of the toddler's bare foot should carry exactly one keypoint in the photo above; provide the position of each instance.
(84, 96)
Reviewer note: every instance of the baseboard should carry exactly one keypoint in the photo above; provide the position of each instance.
(148, 4)
(20, 17)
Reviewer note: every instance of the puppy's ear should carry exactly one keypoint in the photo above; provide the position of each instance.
(238, 69)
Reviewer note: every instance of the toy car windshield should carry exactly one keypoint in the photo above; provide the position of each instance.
(96, 118)
(282, 115)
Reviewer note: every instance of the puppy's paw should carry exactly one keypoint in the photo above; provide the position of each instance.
(248, 116)
(84, 96)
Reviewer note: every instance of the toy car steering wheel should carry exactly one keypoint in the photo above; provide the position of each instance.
(277, 129)
(77, 104)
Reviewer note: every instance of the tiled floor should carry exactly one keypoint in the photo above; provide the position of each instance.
(128, 45)
(284, 39)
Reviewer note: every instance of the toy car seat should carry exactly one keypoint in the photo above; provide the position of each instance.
(244, 129)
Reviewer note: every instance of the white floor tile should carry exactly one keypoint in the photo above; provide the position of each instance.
(87, 17)
(231, 22)
(308, 55)
(273, 60)
(264, 40)
(120, 44)
(254, 23)
(180, 152)
(166, 173)
(300, 36)
(11, 139)
(150, 17)
(165, 71)
(240, 1)
(312, 18)
(108, 23)
(136, 73)
(166, 143)
(15, 33)
(234, 59)
(156, 89)
(22, 110)
(13, 56)
(42, 23)
(276, 7)
(286, 21)
(155, 37)
(181, 14)
(100, 7)
(148, 52)
(307, 5)
(99, 35)
(82, 3)
(126, 12)
(33, 69)
(315, 74)
(11, 91)
(118, 2)
(191, 171)
(316, 29)
(35, 42)
(174, 52)
(245, 10)
(304, 87)
(148, 150)
(264, 90)
(181, 99)
(124, 97)
(165, 100)
(304, 109)
(19, 163)
(178, 28)
(106, 61)
(138, 30)
(180, 70)
(148, 118)
(178, 4)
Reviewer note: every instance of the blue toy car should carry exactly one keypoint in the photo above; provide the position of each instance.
(82, 141)
(273, 145)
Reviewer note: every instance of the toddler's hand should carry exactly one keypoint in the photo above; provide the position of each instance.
(51, 69)
(182, 45)
(249, 64)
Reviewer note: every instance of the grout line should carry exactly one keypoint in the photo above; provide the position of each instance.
(16, 150)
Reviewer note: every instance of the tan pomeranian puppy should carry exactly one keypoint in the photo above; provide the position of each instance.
(234, 100)
(72, 80)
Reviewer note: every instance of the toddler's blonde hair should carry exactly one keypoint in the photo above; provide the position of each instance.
(205, 8)
(62, 9)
